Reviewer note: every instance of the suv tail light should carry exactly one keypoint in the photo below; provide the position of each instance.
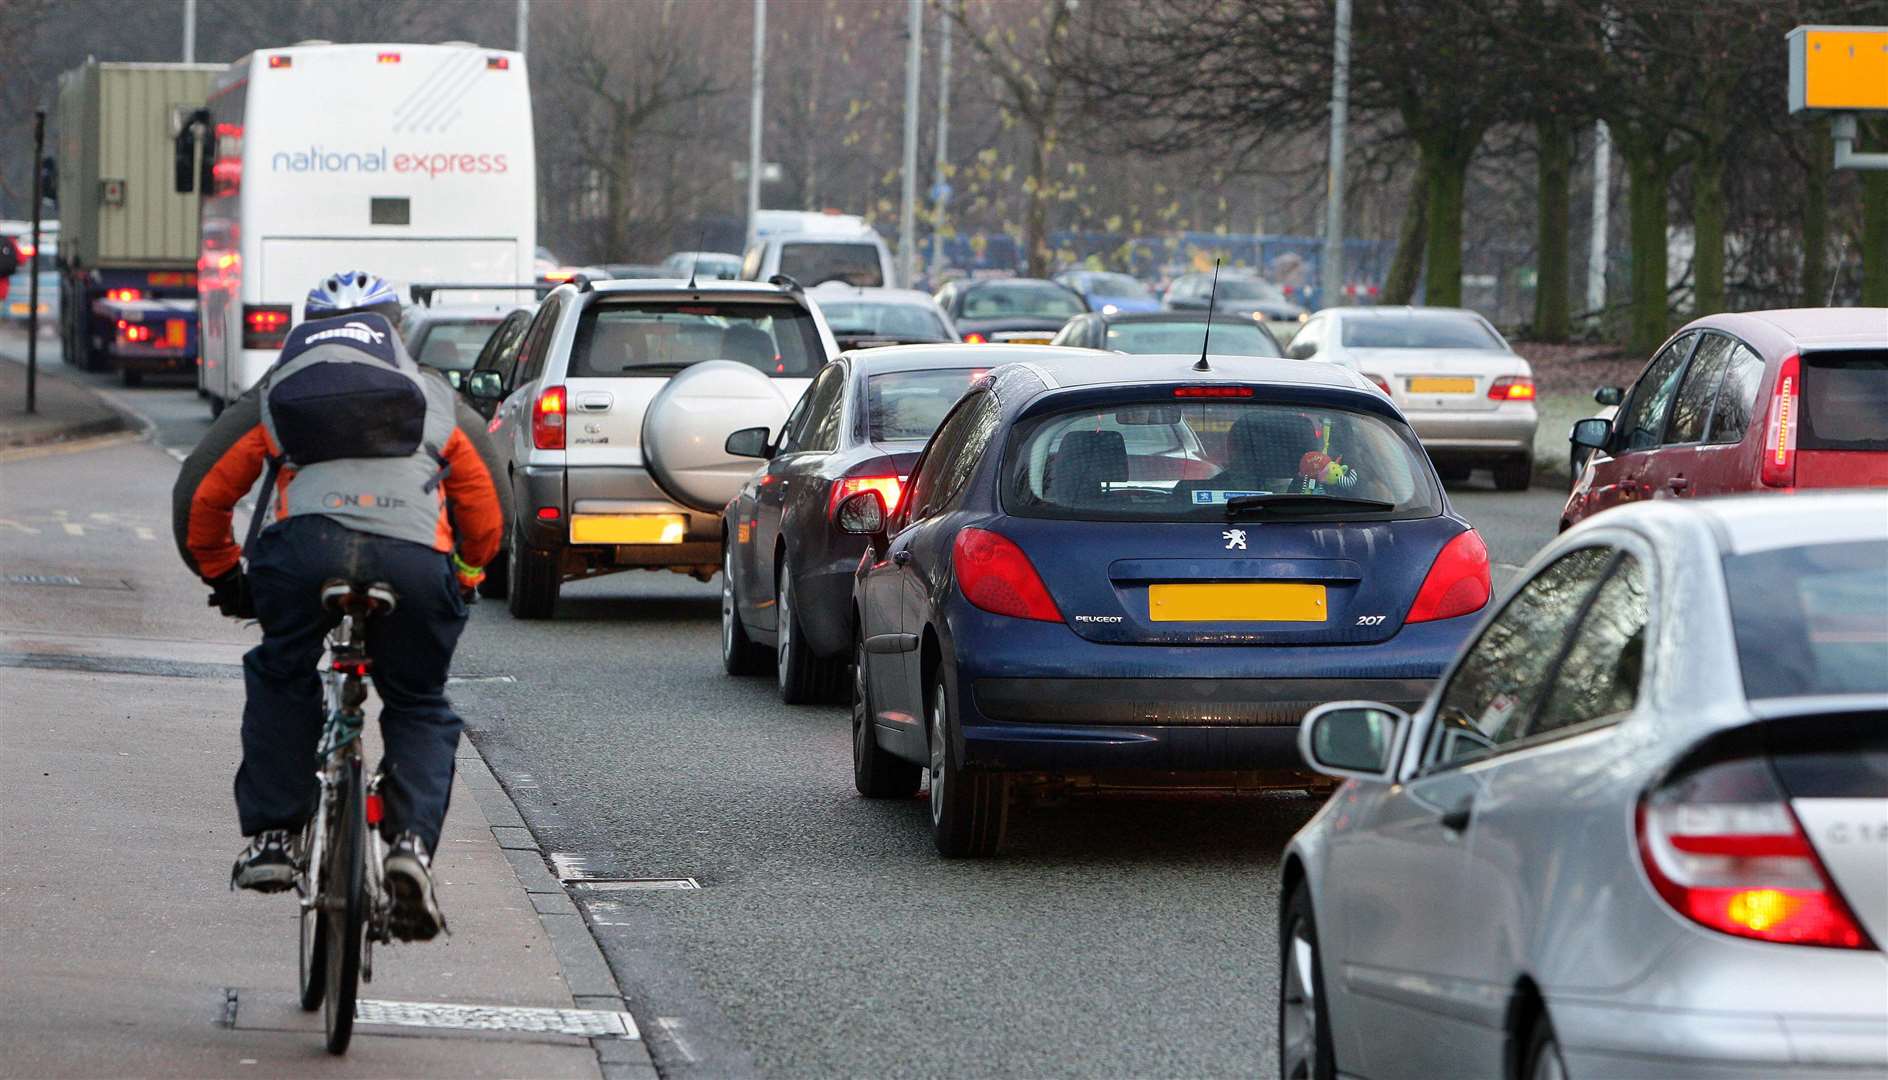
(265, 326)
(995, 575)
(1779, 437)
(1511, 388)
(889, 488)
(1723, 848)
(124, 294)
(547, 419)
(1383, 384)
(1459, 582)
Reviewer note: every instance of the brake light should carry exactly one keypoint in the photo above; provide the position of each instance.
(281, 61)
(498, 63)
(547, 419)
(889, 488)
(387, 58)
(1212, 391)
(1512, 388)
(124, 294)
(549, 513)
(133, 332)
(265, 326)
(1722, 847)
(26, 247)
(376, 808)
(996, 576)
(974, 338)
(1779, 438)
(1458, 583)
(1383, 384)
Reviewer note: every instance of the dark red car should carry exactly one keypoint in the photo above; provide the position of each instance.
(1757, 401)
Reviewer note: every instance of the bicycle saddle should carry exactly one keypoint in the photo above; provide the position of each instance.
(358, 598)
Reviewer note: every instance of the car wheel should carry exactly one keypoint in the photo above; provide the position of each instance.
(534, 580)
(804, 678)
(877, 774)
(131, 379)
(216, 407)
(1542, 1061)
(739, 656)
(968, 809)
(1304, 1023)
(1453, 474)
(1515, 474)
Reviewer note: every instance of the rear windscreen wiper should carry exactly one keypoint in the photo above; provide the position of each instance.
(1285, 503)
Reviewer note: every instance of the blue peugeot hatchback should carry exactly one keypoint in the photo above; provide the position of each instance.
(1129, 572)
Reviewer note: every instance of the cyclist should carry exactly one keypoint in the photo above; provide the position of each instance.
(424, 521)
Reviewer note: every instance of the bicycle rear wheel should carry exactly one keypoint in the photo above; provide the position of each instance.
(345, 911)
(314, 942)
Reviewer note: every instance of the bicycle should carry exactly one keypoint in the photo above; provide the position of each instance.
(344, 905)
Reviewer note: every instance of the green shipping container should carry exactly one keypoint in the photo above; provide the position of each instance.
(117, 203)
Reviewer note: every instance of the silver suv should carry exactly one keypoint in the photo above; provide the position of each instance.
(612, 426)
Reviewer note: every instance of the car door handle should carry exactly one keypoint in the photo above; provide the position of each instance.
(1678, 483)
(595, 401)
(1457, 819)
(901, 556)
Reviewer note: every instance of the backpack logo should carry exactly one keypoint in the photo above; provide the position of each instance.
(354, 331)
(335, 500)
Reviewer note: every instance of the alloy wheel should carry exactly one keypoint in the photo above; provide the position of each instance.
(783, 636)
(1546, 1065)
(861, 722)
(938, 751)
(1298, 1014)
(728, 614)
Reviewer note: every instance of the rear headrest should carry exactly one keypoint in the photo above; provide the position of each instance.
(1267, 446)
(748, 344)
(1082, 463)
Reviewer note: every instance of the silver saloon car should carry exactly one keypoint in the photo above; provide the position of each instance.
(1639, 829)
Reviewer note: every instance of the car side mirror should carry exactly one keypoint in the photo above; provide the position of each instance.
(749, 442)
(1593, 433)
(1303, 351)
(1358, 739)
(862, 514)
(485, 385)
(1610, 395)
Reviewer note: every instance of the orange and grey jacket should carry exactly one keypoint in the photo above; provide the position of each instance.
(465, 514)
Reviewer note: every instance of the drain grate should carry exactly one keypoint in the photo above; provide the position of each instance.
(632, 884)
(588, 1023)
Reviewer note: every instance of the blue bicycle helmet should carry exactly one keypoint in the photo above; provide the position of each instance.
(352, 292)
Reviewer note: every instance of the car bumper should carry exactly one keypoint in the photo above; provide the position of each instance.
(1505, 430)
(1029, 698)
(606, 490)
(1632, 1042)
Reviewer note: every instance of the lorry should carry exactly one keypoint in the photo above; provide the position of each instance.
(128, 247)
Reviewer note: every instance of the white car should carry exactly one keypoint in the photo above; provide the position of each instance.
(861, 317)
(613, 423)
(1468, 395)
(814, 249)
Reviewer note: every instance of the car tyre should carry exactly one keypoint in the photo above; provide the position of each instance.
(739, 656)
(969, 809)
(1305, 1049)
(216, 407)
(1515, 474)
(534, 580)
(1541, 1060)
(803, 677)
(131, 379)
(877, 774)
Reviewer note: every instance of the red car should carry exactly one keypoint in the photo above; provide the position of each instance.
(1757, 401)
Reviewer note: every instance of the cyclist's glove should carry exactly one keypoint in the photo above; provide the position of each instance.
(230, 594)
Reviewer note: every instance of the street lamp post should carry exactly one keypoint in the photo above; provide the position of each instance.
(940, 185)
(1332, 280)
(754, 116)
(908, 195)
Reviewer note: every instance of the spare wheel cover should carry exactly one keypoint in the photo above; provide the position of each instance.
(685, 430)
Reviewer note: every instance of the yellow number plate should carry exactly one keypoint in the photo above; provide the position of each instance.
(1027, 341)
(628, 528)
(1441, 385)
(1241, 602)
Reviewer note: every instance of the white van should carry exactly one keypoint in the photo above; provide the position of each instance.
(815, 248)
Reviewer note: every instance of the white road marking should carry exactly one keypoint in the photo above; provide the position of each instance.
(73, 528)
(672, 1028)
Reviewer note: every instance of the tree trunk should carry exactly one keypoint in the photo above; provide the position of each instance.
(1707, 219)
(1036, 215)
(619, 194)
(1407, 267)
(1448, 176)
(1875, 239)
(1552, 316)
(1649, 177)
(1816, 218)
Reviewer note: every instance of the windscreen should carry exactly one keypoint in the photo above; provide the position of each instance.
(902, 322)
(1250, 289)
(1118, 285)
(1020, 299)
(455, 346)
(659, 338)
(1811, 620)
(817, 263)
(1185, 460)
(911, 404)
(1845, 401)
(1418, 332)
(1233, 337)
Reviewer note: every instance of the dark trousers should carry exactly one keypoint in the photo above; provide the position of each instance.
(411, 650)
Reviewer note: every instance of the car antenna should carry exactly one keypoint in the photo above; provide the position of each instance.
(1212, 301)
(700, 239)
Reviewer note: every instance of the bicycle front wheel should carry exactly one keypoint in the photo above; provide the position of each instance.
(344, 910)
